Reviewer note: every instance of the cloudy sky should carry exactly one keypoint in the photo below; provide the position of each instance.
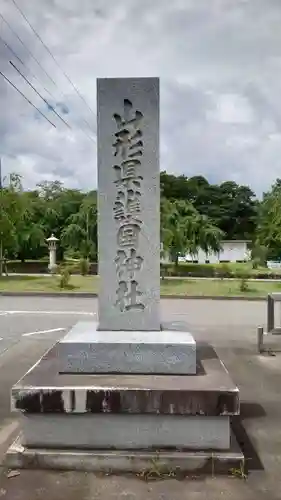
(220, 67)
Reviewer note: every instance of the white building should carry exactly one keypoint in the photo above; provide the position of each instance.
(232, 251)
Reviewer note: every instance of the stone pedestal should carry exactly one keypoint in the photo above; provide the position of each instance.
(125, 432)
(129, 413)
(85, 349)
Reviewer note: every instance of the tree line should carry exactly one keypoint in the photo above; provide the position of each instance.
(194, 214)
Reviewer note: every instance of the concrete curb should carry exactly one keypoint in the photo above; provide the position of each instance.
(95, 295)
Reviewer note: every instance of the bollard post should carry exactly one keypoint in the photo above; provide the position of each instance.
(260, 339)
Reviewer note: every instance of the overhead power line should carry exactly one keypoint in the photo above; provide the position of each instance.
(42, 68)
(11, 50)
(26, 48)
(41, 97)
(20, 60)
(42, 114)
(52, 56)
(34, 76)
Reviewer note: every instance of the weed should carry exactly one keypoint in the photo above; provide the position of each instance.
(239, 472)
(156, 471)
(84, 267)
(65, 276)
(243, 285)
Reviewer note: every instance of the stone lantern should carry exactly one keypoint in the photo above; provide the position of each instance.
(52, 245)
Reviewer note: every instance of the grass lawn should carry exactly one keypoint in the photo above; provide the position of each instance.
(178, 287)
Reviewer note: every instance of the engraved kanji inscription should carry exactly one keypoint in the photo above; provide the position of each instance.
(128, 295)
(126, 144)
(127, 174)
(128, 235)
(128, 149)
(127, 119)
(127, 206)
(128, 263)
(128, 139)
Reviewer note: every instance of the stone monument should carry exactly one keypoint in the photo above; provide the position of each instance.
(129, 201)
(127, 336)
(110, 393)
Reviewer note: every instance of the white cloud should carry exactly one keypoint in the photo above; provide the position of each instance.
(232, 108)
(219, 64)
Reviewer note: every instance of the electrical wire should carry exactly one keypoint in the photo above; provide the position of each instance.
(9, 81)
(19, 59)
(26, 48)
(52, 56)
(41, 97)
(11, 50)
(34, 76)
(40, 65)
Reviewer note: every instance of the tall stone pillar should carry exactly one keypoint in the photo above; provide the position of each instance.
(128, 203)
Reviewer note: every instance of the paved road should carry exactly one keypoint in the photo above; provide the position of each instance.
(29, 326)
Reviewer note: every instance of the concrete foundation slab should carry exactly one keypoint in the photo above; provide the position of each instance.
(85, 349)
(109, 431)
(171, 462)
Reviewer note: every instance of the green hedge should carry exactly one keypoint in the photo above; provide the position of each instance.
(222, 270)
(28, 267)
(183, 270)
(197, 270)
(41, 267)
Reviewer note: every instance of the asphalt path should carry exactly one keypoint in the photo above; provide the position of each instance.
(31, 325)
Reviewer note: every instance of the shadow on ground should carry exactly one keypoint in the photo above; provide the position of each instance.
(248, 410)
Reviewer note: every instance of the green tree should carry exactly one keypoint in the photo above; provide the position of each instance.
(80, 232)
(11, 210)
(231, 207)
(55, 206)
(184, 230)
(192, 211)
(30, 230)
(238, 210)
(269, 221)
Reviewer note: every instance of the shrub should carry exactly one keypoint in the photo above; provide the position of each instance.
(188, 269)
(197, 270)
(260, 254)
(255, 263)
(29, 266)
(243, 285)
(223, 271)
(65, 276)
(243, 274)
(84, 267)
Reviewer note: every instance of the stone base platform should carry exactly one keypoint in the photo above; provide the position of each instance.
(127, 411)
(125, 432)
(164, 462)
(85, 349)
